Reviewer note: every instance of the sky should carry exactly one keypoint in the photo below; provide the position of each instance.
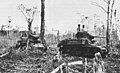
(63, 15)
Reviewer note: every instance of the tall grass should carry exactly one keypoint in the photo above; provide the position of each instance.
(6, 41)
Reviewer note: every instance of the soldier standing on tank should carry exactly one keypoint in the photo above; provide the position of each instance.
(78, 29)
(83, 27)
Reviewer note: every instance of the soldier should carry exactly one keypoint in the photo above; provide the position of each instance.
(55, 62)
(78, 29)
(83, 27)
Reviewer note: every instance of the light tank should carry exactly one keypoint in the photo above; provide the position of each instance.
(81, 46)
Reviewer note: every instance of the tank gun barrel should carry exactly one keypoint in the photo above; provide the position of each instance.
(98, 37)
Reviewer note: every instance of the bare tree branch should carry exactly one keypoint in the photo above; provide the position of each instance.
(33, 14)
(112, 8)
(108, 0)
(113, 4)
(22, 13)
(111, 15)
(105, 1)
(96, 4)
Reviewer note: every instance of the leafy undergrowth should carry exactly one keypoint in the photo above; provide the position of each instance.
(6, 42)
(34, 61)
(27, 61)
(112, 64)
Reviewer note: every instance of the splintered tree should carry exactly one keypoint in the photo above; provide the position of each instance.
(109, 12)
(29, 16)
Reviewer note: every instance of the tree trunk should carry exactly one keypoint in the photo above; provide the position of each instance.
(29, 32)
(111, 24)
(42, 20)
(29, 26)
(108, 21)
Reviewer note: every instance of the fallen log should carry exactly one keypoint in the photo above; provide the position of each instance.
(3, 52)
(2, 55)
(71, 63)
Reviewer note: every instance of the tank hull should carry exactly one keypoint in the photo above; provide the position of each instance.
(80, 50)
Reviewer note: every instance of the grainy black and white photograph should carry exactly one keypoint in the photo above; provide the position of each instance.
(59, 36)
